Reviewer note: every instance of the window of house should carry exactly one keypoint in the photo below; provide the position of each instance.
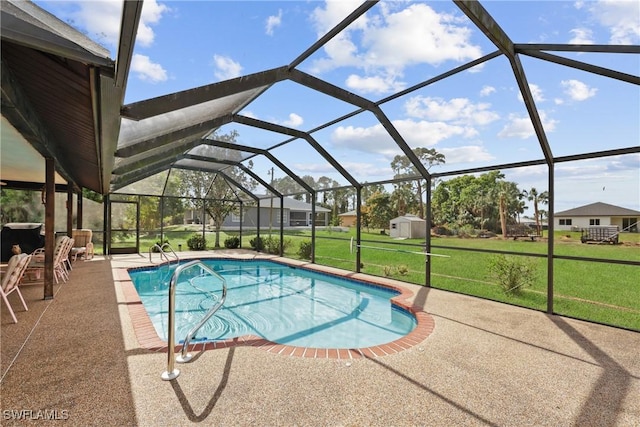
(285, 216)
(235, 217)
(565, 222)
(594, 221)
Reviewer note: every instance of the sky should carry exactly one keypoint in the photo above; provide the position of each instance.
(476, 118)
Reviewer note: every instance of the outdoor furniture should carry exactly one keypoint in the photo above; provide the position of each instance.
(83, 246)
(28, 235)
(15, 270)
(600, 234)
(60, 255)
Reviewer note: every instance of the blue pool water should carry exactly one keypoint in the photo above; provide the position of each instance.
(282, 304)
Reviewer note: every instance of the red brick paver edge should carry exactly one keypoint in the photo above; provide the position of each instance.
(148, 337)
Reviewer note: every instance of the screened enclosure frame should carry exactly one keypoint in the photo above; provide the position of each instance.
(164, 133)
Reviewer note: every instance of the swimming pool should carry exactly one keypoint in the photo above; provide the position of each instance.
(282, 304)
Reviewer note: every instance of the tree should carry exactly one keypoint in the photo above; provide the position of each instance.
(537, 199)
(380, 210)
(508, 196)
(404, 168)
(21, 206)
(487, 201)
(212, 191)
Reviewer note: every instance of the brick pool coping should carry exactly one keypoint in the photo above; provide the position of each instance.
(148, 337)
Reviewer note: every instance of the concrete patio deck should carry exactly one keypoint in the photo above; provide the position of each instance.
(76, 358)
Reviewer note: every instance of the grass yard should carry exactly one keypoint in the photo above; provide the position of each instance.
(597, 291)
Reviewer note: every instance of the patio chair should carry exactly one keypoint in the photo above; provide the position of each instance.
(83, 246)
(15, 270)
(60, 255)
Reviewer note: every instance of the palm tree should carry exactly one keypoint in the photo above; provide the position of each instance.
(537, 198)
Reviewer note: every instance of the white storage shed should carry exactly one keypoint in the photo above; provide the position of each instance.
(408, 226)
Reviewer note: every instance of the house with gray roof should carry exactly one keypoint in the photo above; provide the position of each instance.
(597, 214)
(296, 213)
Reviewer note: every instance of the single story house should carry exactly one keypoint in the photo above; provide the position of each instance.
(348, 219)
(597, 214)
(408, 226)
(296, 213)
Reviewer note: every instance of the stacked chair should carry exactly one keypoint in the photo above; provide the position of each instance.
(15, 270)
(61, 263)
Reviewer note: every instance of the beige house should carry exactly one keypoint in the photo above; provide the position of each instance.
(597, 214)
(348, 219)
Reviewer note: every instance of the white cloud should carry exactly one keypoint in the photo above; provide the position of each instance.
(466, 154)
(457, 110)
(522, 128)
(147, 70)
(273, 22)
(375, 139)
(391, 41)
(374, 84)
(102, 19)
(487, 90)
(536, 93)
(577, 90)
(356, 169)
(581, 36)
(225, 67)
(152, 12)
(294, 121)
(620, 17)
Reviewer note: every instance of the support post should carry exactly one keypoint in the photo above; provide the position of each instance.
(49, 225)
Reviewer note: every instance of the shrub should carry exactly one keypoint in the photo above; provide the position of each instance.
(197, 242)
(403, 270)
(272, 245)
(512, 273)
(305, 249)
(159, 243)
(257, 243)
(387, 270)
(232, 242)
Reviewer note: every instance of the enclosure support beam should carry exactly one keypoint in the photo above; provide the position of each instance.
(69, 206)
(358, 226)
(550, 240)
(313, 226)
(427, 241)
(49, 225)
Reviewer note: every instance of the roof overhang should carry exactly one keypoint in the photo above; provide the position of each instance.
(59, 100)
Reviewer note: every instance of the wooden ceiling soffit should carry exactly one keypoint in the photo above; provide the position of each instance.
(18, 110)
(18, 27)
(199, 130)
(176, 101)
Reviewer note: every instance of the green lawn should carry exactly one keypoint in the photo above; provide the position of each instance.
(597, 291)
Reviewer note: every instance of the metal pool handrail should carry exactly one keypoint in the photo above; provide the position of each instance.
(171, 372)
(184, 354)
(162, 252)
